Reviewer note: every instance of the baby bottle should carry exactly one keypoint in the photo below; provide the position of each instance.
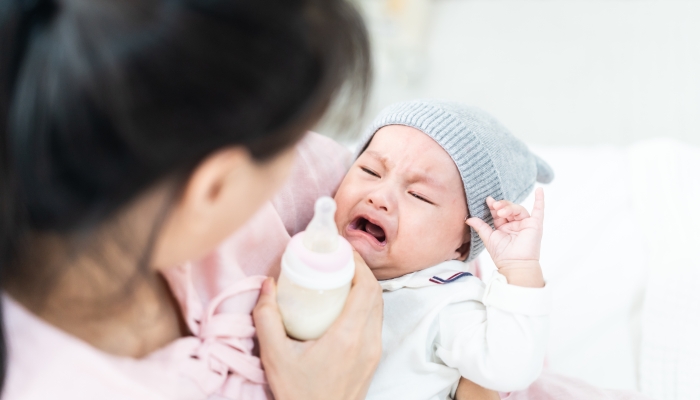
(317, 269)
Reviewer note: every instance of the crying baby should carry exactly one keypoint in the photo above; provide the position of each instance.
(434, 184)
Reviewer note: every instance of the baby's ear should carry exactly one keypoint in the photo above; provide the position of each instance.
(463, 250)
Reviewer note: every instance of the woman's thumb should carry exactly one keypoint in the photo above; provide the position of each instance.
(267, 318)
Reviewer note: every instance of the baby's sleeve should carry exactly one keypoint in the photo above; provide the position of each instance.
(500, 341)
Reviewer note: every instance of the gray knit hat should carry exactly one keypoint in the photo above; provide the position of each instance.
(490, 159)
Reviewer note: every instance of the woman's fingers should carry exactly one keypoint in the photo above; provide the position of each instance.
(364, 301)
(341, 363)
(268, 320)
(374, 292)
(308, 370)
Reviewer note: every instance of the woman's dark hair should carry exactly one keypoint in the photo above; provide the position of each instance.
(102, 99)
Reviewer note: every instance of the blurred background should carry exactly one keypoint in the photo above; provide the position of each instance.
(608, 92)
(555, 72)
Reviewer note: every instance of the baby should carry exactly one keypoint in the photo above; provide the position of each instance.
(426, 173)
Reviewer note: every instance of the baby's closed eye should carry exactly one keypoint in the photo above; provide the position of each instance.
(419, 197)
(369, 171)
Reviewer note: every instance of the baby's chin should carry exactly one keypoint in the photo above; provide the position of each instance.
(384, 272)
(368, 254)
(383, 267)
(382, 262)
(376, 262)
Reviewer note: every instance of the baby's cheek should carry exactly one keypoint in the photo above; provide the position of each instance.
(343, 204)
(444, 239)
(417, 248)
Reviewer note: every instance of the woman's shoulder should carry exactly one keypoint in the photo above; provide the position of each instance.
(45, 362)
(320, 166)
(256, 248)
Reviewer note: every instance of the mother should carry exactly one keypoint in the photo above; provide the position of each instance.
(134, 136)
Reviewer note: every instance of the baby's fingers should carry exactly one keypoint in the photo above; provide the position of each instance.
(497, 220)
(482, 229)
(538, 208)
(510, 211)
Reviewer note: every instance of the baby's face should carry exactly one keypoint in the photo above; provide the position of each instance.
(402, 204)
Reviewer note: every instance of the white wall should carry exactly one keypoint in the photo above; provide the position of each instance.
(555, 72)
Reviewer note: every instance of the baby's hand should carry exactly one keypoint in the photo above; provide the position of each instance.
(514, 245)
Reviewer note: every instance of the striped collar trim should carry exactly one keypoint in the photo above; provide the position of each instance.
(441, 274)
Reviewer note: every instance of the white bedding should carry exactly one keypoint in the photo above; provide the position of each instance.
(666, 188)
(611, 214)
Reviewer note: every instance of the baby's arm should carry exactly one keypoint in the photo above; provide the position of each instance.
(500, 343)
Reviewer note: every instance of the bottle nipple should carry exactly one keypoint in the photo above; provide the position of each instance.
(321, 236)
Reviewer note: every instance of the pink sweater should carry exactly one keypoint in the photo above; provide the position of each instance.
(217, 296)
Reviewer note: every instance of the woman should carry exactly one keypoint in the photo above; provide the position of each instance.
(135, 135)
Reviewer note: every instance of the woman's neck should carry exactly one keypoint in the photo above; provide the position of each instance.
(119, 310)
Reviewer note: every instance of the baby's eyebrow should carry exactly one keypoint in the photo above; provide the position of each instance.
(414, 177)
(422, 177)
(379, 157)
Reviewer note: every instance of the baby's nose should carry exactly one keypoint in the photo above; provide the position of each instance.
(378, 205)
(380, 200)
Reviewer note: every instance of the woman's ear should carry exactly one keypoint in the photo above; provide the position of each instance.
(210, 181)
(221, 194)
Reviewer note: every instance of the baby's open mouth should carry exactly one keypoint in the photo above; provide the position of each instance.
(375, 230)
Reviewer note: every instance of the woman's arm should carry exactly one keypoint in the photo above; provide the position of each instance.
(341, 363)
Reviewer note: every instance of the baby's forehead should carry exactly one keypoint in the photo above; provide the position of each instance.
(404, 143)
(415, 155)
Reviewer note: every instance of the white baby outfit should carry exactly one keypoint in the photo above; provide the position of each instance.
(442, 323)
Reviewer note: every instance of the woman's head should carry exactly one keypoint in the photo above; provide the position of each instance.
(104, 103)
(107, 97)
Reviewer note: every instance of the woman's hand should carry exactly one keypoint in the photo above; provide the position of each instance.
(340, 364)
(515, 244)
(468, 390)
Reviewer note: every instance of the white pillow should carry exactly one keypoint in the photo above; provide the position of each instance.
(593, 256)
(666, 184)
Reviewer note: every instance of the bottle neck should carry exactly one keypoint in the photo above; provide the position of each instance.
(322, 271)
